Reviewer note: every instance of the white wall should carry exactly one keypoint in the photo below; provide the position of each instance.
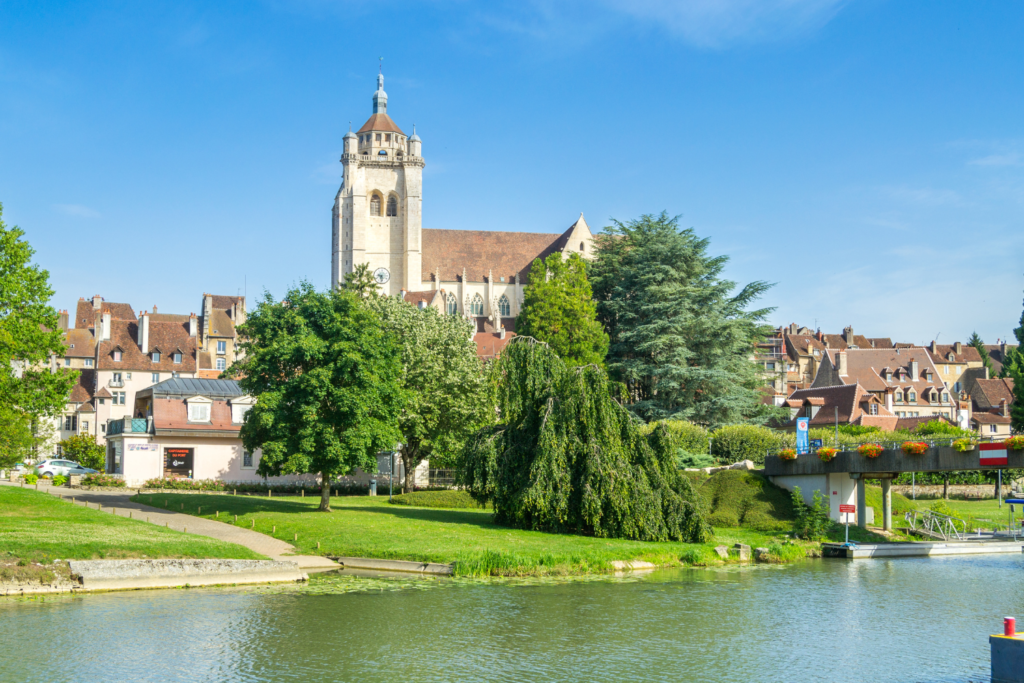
(837, 488)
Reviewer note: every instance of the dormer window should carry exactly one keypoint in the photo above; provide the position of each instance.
(155, 356)
(911, 397)
(177, 357)
(199, 409)
(873, 409)
(898, 397)
(945, 397)
(117, 356)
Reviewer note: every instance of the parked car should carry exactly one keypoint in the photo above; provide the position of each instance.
(51, 468)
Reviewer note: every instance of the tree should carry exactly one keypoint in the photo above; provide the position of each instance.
(360, 282)
(567, 457)
(680, 339)
(29, 333)
(444, 381)
(559, 309)
(1013, 368)
(83, 449)
(327, 383)
(978, 344)
(15, 437)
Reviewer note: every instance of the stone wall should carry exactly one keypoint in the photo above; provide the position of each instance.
(955, 490)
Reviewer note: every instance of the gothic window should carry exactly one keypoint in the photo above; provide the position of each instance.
(504, 309)
(583, 247)
(375, 205)
(392, 206)
(453, 305)
(476, 307)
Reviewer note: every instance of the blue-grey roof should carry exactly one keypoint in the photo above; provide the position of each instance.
(184, 386)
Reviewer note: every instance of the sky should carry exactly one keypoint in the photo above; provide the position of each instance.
(866, 157)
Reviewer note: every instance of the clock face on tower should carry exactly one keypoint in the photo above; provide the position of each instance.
(381, 276)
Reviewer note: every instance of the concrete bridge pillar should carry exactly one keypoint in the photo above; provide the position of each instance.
(887, 504)
(862, 501)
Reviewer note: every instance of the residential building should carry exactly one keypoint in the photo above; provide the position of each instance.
(994, 423)
(847, 404)
(219, 349)
(952, 362)
(377, 220)
(997, 354)
(904, 380)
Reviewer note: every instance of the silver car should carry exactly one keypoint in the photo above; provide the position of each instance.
(51, 468)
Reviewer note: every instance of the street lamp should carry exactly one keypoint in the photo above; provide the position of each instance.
(391, 469)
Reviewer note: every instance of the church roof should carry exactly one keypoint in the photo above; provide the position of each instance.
(502, 254)
(380, 122)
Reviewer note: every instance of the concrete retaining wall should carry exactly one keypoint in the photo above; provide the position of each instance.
(135, 574)
(936, 459)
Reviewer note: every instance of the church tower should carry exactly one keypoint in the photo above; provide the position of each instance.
(377, 215)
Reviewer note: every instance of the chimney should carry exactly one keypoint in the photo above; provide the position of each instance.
(193, 324)
(913, 370)
(1003, 410)
(97, 301)
(63, 320)
(842, 366)
(105, 327)
(889, 391)
(207, 312)
(848, 334)
(932, 347)
(820, 336)
(154, 308)
(144, 332)
(958, 348)
(1002, 350)
(501, 332)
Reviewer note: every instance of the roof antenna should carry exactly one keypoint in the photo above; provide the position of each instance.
(381, 65)
(349, 126)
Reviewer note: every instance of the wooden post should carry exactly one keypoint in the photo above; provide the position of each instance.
(318, 545)
(253, 524)
(273, 529)
(217, 514)
(296, 537)
(303, 494)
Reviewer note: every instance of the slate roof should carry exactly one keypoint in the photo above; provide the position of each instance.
(380, 123)
(221, 324)
(225, 302)
(83, 388)
(989, 392)
(185, 387)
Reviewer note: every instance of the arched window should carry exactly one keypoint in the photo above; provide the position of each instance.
(382, 153)
(583, 246)
(504, 308)
(392, 206)
(453, 305)
(375, 205)
(476, 306)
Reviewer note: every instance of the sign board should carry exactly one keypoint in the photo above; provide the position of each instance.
(802, 425)
(848, 509)
(816, 444)
(992, 454)
(178, 462)
(143, 447)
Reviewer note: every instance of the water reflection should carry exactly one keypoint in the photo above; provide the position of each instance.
(899, 620)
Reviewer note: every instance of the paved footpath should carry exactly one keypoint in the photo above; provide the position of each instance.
(116, 502)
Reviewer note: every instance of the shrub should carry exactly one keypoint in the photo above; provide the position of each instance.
(734, 443)
(453, 499)
(83, 449)
(739, 498)
(941, 428)
(1015, 443)
(964, 445)
(858, 430)
(60, 480)
(813, 521)
(788, 454)
(914, 447)
(184, 484)
(870, 450)
(827, 453)
(100, 479)
(684, 435)
(685, 460)
(31, 478)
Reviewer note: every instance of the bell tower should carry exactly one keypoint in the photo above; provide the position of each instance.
(377, 214)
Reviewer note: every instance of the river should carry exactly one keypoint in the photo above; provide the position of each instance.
(822, 620)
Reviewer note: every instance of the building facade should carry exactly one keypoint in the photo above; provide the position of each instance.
(377, 220)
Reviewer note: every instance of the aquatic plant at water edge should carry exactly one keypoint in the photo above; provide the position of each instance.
(567, 457)
(812, 521)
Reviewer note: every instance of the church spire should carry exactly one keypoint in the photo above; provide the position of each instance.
(380, 98)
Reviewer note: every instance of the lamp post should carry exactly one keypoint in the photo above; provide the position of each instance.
(391, 469)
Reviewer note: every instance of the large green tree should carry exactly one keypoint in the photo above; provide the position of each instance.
(559, 309)
(29, 333)
(682, 338)
(83, 449)
(445, 385)
(1013, 368)
(327, 379)
(976, 341)
(15, 437)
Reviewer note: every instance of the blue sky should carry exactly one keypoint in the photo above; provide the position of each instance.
(868, 157)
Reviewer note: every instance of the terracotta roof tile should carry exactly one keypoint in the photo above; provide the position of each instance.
(80, 342)
(489, 345)
(990, 419)
(167, 337)
(968, 354)
(85, 315)
(224, 302)
(989, 392)
(380, 123)
(82, 390)
(849, 399)
(503, 254)
(221, 324)
(172, 413)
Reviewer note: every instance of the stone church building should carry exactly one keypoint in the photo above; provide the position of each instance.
(377, 220)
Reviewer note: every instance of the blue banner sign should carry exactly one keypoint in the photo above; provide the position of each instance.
(802, 445)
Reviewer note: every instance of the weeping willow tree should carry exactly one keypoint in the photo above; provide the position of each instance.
(567, 457)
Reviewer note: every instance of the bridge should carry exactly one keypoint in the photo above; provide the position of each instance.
(843, 480)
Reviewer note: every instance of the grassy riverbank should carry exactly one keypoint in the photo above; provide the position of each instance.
(369, 527)
(36, 528)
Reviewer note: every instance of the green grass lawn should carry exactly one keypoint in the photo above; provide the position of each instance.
(363, 526)
(37, 527)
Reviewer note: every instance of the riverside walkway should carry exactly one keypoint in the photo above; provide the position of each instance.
(120, 503)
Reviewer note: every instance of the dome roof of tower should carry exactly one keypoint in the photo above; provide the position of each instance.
(349, 135)
(380, 122)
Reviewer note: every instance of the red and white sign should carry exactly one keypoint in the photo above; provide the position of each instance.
(991, 454)
(847, 509)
